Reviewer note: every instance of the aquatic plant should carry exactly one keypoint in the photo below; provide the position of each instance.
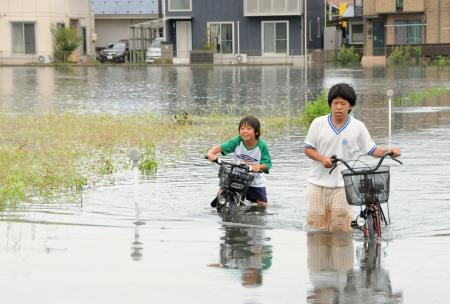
(52, 155)
(316, 108)
(415, 98)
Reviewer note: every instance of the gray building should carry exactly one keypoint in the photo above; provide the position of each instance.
(113, 18)
(245, 30)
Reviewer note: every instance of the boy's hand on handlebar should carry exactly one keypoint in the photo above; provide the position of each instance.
(327, 162)
(395, 152)
(211, 156)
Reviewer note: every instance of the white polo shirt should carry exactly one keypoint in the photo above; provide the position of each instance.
(347, 143)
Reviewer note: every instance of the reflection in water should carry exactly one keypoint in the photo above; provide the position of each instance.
(370, 282)
(244, 248)
(334, 280)
(136, 246)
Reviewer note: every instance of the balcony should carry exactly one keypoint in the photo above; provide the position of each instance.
(399, 6)
(273, 8)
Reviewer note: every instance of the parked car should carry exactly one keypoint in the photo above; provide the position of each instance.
(114, 52)
(154, 51)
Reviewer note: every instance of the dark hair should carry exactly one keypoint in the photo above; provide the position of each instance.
(253, 122)
(343, 90)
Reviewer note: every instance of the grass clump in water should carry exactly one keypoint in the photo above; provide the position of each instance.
(316, 108)
(44, 157)
(415, 98)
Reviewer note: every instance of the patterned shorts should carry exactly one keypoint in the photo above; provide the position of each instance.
(328, 209)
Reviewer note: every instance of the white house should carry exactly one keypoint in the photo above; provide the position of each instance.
(25, 28)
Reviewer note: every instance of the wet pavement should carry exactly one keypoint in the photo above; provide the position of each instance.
(155, 238)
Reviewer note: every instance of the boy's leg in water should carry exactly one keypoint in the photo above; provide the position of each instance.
(341, 211)
(317, 215)
(257, 195)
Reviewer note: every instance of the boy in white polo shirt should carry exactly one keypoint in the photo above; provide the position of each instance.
(250, 148)
(338, 134)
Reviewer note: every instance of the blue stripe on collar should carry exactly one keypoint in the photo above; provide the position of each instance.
(337, 131)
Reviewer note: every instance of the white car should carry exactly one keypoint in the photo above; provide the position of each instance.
(154, 51)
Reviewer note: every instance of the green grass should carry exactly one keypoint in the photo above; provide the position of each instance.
(316, 108)
(50, 156)
(415, 98)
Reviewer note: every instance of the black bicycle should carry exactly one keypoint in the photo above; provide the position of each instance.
(368, 188)
(234, 180)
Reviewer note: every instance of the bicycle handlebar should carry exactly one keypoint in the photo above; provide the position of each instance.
(243, 165)
(335, 160)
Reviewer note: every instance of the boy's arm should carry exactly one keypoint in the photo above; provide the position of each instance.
(216, 149)
(380, 152)
(314, 155)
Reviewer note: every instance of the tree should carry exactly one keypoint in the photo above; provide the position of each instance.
(65, 41)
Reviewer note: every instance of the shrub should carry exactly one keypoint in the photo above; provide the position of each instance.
(65, 41)
(347, 56)
(441, 61)
(400, 54)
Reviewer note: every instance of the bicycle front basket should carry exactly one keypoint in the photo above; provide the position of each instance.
(362, 188)
(234, 178)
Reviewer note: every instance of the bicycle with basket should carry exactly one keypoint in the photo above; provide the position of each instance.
(234, 180)
(367, 187)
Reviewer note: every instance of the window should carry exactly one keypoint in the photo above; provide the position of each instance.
(356, 33)
(318, 27)
(221, 37)
(408, 32)
(180, 5)
(272, 7)
(23, 38)
(275, 37)
(399, 5)
(83, 41)
(310, 30)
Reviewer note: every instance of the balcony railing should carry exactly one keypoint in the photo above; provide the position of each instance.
(273, 7)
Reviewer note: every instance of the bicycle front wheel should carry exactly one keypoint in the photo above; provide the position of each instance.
(373, 223)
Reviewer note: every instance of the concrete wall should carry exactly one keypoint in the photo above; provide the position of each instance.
(44, 14)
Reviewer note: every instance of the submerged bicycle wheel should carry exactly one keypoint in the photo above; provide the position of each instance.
(229, 210)
(373, 224)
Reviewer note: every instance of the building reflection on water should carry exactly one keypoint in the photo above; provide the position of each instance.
(336, 279)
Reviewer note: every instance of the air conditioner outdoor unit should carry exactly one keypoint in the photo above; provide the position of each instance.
(240, 58)
(43, 59)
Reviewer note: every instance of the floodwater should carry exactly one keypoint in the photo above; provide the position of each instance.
(155, 238)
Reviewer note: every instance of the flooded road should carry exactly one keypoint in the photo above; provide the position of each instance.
(155, 238)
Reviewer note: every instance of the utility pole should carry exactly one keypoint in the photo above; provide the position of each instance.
(305, 30)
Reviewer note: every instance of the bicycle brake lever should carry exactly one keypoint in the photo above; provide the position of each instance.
(217, 160)
(391, 155)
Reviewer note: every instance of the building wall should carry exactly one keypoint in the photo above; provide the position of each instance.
(438, 21)
(434, 14)
(204, 11)
(112, 30)
(120, 7)
(44, 14)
